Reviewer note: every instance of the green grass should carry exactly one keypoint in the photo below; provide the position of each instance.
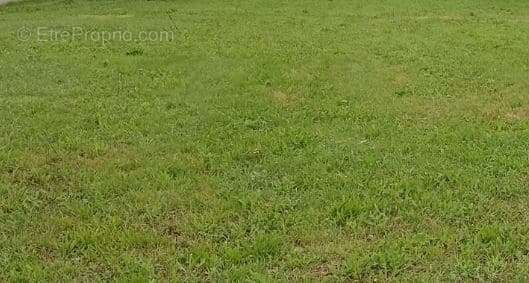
(267, 141)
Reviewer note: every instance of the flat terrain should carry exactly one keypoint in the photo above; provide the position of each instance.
(264, 140)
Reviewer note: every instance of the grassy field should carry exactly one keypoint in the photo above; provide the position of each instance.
(264, 140)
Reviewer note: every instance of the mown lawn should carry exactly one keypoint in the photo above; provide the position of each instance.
(265, 141)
